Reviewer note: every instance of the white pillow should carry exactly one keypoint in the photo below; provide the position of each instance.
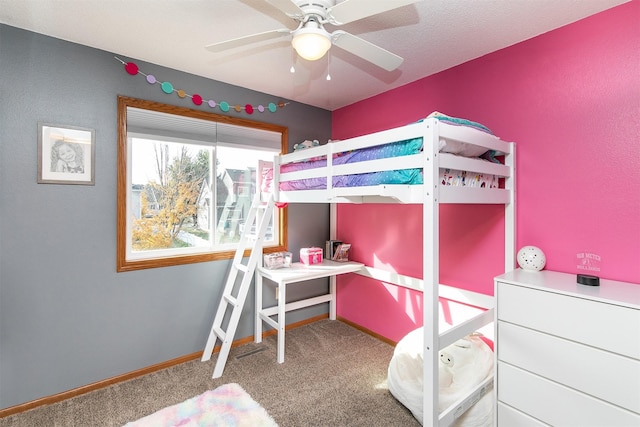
(461, 148)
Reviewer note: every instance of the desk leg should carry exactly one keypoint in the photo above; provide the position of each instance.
(257, 335)
(282, 302)
(332, 303)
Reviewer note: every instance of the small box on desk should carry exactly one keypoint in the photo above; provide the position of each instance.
(311, 255)
(277, 260)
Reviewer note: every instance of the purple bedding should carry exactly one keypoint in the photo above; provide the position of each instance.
(394, 149)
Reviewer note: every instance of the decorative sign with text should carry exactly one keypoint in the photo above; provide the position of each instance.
(588, 261)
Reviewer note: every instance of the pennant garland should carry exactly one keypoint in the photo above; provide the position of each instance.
(132, 69)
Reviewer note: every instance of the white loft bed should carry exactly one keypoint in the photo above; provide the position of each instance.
(430, 161)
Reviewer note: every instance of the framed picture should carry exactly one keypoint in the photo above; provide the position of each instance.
(66, 154)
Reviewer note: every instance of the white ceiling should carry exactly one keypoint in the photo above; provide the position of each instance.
(431, 36)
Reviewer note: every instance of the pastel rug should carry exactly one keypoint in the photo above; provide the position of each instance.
(226, 406)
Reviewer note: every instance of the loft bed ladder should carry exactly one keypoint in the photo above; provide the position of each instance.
(234, 294)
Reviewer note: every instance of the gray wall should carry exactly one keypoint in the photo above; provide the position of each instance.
(67, 319)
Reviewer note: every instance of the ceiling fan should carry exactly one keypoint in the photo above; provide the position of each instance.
(310, 39)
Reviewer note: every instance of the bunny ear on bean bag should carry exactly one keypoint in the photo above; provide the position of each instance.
(462, 365)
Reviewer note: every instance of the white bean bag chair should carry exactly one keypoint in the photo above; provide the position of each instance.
(463, 365)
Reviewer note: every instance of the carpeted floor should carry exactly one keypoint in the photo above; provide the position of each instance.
(333, 375)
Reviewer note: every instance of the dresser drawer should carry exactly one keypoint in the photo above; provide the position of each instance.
(510, 417)
(605, 375)
(591, 322)
(556, 404)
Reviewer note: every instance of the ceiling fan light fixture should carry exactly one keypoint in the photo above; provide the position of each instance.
(311, 43)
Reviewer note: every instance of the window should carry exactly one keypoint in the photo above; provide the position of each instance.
(186, 181)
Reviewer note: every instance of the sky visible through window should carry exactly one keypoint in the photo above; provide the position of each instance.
(144, 168)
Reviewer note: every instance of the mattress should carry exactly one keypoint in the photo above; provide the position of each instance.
(412, 176)
(395, 149)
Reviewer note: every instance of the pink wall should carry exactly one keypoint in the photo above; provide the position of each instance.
(570, 99)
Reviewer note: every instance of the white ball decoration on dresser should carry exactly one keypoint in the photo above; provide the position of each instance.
(531, 258)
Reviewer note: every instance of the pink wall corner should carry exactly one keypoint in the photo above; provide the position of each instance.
(570, 99)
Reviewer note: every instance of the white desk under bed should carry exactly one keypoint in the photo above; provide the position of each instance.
(297, 273)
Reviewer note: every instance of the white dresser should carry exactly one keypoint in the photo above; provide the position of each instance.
(567, 354)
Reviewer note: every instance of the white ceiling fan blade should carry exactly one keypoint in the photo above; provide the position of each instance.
(242, 41)
(365, 50)
(352, 10)
(288, 7)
